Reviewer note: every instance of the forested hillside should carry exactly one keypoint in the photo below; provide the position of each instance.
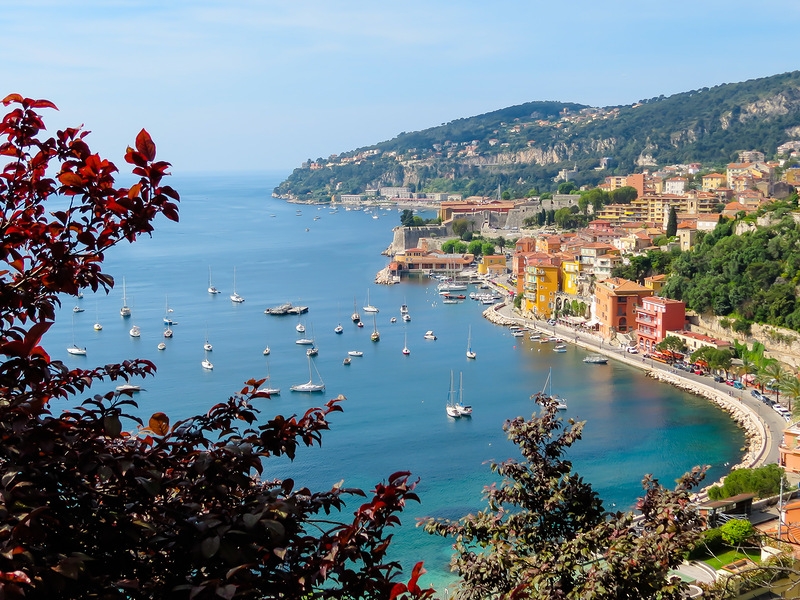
(747, 278)
(522, 148)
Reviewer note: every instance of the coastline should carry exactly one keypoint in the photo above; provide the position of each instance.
(760, 441)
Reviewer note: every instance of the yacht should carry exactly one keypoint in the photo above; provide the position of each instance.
(429, 335)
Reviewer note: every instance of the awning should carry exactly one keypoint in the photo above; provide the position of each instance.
(592, 322)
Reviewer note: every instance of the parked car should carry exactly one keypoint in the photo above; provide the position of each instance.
(632, 350)
(699, 372)
(719, 378)
(757, 395)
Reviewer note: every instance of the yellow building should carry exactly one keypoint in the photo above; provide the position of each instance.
(541, 284)
(494, 263)
(570, 274)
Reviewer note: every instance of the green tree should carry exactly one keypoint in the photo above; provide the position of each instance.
(475, 247)
(672, 223)
(506, 195)
(764, 482)
(487, 249)
(623, 195)
(407, 218)
(460, 227)
(737, 531)
(544, 533)
(672, 343)
(567, 187)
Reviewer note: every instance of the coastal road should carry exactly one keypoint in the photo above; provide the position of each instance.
(774, 423)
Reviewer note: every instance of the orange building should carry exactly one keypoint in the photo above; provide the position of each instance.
(790, 449)
(616, 301)
(655, 318)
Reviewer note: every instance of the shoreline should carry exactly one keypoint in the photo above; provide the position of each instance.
(758, 438)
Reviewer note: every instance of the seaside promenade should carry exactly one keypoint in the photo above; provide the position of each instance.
(762, 425)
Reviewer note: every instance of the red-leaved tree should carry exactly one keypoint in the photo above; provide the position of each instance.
(88, 510)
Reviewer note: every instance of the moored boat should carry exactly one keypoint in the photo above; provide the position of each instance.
(595, 359)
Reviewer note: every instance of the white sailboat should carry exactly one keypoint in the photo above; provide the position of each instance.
(207, 346)
(463, 410)
(406, 351)
(168, 314)
(207, 365)
(268, 387)
(338, 329)
(211, 288)
(310, 386)
(561, 403)
(75, 349)
(125, 311)
(355, 317)
(470, 352)
(450, 406)
(234, 296)
(369, 308)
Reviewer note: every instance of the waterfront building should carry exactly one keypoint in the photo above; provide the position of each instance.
(417, 260)
(571, 274)
(655, 318)
(695, 341)
(616, 300)
(540, 283)
(494, 264)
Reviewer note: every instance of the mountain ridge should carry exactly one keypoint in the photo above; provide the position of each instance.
(523, 147)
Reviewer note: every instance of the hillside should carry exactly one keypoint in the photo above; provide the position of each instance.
(523, 147)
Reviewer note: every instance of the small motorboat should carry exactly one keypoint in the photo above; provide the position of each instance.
(393, 320)
(338, 329)
(429, 335)
(266, 351)
(77, 309)
(162, 346)
(355, 353)
(346, 360)
(313, 351)
(360, 324)
(129, 387)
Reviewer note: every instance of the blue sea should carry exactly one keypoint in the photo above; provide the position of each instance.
(394, 416)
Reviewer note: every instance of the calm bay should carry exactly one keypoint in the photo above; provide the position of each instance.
(394, 416)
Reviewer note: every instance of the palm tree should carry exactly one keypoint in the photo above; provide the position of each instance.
(748, 367)
(774, 374)
(790, 386)
(762, 376)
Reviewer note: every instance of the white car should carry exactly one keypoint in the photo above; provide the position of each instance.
(632, 350)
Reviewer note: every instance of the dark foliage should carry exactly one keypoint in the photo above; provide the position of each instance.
(544, 533)
(90, 510)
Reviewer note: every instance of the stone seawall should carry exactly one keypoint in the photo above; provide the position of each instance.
(409, 237)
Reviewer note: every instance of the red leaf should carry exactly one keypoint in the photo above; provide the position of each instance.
(12, 98)
(145, 145)
(43, 104)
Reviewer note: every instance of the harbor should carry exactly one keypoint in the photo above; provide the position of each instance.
(394, 414)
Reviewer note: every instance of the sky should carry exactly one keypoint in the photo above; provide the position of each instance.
(257, 85)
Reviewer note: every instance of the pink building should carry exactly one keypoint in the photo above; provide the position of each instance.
(655, 318)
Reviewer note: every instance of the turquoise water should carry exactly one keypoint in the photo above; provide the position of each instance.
(394, 416)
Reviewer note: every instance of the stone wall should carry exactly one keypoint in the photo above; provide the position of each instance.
(409, 237)
(781, 343)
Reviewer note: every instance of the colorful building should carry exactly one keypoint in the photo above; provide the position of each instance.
(541, 283)
(616, 301)
(494, 264)
(656, 318)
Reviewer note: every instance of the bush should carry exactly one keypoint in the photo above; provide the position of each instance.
(737, 531)
(709, 544)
